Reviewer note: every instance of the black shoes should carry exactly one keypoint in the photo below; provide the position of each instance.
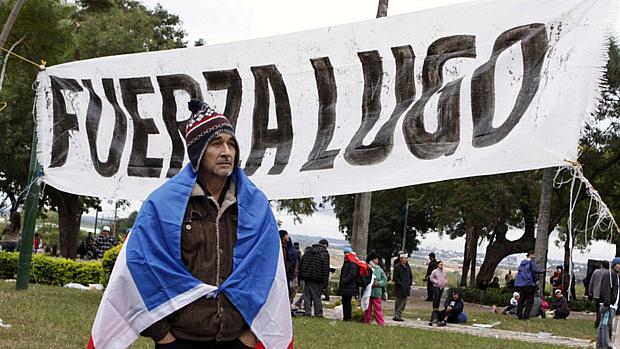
(397, 319)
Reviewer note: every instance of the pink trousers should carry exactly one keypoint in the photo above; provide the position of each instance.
(375, 305)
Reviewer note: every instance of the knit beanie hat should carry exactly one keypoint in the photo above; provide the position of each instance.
(347, 249)
(202, 127)
(615, 261)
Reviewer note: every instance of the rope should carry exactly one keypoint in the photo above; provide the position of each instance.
(41, 66)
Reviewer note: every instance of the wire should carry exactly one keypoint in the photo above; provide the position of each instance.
(41, 66)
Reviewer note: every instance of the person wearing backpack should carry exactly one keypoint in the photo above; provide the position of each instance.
(526, 284)
(348, 284)
(379, 281)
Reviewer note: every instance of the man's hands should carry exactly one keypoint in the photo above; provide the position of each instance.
(169, 338)
(248, 338)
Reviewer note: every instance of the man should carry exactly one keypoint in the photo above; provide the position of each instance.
(609, 303)
(594, 288)
(453, 307)
(347, 285)
(526, 284)
(315, 273)
(289, 255)
(432, 265)
(402, 285)
(439, 278)
(302, 283)
(559, 306)
(104, 242)
(509, 278)
(202, 267)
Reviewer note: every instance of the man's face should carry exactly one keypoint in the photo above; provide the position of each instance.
(440, 265)
(219, 156)
(617, 268)
(403, 260)
(285, 238)
(455, 296)
(105, 233)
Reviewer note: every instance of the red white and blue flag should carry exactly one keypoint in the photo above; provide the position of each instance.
(150, 281)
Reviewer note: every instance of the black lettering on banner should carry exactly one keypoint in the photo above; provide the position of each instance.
(64, 122)
(372, 68)
(176, 130)
(404, 87)
(262, 137)
(534, 46)
(139, 164)
(320, 158)
(445, 139)
(119, 135)
(231, 81)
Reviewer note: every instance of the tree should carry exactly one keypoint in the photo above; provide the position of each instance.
(387, 219)
(59, 33)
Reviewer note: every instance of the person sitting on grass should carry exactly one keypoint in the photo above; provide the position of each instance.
(511, 309)
(453, 308)
(559, 305)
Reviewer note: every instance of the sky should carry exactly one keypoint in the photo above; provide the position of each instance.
(234, 20)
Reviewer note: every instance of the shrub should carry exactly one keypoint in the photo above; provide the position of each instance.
(108, 261)
(8, 264)
(52, 270)
(492, 296)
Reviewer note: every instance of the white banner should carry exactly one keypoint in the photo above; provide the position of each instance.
(471, 89)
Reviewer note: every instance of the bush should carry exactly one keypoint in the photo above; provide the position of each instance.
(108, 261)
(8, 264)
(52, 270)
(492, 296)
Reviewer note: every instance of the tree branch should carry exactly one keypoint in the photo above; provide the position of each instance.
(6, 60)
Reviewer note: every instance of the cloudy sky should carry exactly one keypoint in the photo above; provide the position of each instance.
(234, 20)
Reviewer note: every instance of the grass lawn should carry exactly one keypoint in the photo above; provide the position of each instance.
(53, 317)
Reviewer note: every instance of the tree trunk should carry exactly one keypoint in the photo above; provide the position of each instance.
(467, 256)
(8, 25)
(617, 245)
(361, 218)
(69, 216)
(474, 255)
(542, 229)
(500, 247)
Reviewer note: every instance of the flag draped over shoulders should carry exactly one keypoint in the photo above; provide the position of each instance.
(150, 281)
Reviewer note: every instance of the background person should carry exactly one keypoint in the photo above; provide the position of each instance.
(380, 280)
(439, 278)
(526, 284)
(402, 285)
(432, 265)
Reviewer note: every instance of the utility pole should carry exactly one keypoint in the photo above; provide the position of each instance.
(363, 201)
(404, 246)
(30, 219)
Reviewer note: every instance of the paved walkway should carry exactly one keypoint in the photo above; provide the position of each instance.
(544, 338)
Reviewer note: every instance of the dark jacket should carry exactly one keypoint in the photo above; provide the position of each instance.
(201, 235)
(315, 265)
(431, 266)
(290, 260)
(609, 289)
(402, 280)
(527, 273)
(452, 315)
(561, 304)
(348, 279)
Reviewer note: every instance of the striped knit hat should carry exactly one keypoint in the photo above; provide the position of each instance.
(202, 127)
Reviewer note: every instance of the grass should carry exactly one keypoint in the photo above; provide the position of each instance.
(53, 317)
